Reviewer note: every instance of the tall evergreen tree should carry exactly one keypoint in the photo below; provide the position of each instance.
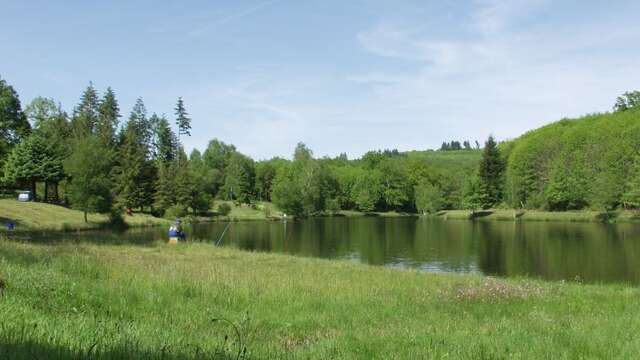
(184, 187)
(136, 173)
(85, 115)
(141, 127)
(108, 117)
(182, 120)
(31, 162)
(165, 143)
(165, 195)
(491, 174)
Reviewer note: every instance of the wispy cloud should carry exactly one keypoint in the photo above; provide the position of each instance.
(231, 17)
(494, 16)
(499, 78)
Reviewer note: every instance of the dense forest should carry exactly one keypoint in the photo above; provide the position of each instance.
(591, 162)
(93, 160)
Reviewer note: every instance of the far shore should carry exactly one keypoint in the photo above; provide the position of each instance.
(33, 216)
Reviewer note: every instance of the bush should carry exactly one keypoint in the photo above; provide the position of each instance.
(224, 209)
(176, 211)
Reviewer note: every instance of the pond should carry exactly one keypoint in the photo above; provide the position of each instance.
(588, 252)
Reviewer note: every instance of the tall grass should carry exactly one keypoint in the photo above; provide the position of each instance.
(69, 301)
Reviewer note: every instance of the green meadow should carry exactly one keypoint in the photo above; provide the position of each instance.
(197, 301)
(43, 216)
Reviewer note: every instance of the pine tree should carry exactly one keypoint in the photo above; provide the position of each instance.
(184, 187)
(182, 120)
(32, 161)
(165, 195)
(136, 173)
(108, 117)
(491, 174)
(85, 115)
(165, 141)
(141, 127)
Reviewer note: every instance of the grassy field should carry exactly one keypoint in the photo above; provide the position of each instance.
(71, 301)
(41, 216)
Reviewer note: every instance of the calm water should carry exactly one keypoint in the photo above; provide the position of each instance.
(554, 250)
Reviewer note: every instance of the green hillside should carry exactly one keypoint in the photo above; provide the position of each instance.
(453, 157)
(589, 162)
(41, 216)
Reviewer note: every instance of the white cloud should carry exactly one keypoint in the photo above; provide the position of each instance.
(497, 79)
(503, 82)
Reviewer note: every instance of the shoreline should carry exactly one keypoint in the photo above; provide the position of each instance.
(31, 217)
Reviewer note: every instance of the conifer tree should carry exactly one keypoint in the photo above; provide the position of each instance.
(108, 117)
(33, 161)
(85, 115)
(184, 187)
(165, 142)
(491, 174)
(136, 173)
(165, 195)
(182, 120)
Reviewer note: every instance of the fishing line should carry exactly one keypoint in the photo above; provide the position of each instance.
(222, 236)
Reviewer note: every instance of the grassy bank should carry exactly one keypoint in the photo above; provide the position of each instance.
(260, 210)
(78, 301)
(536, 215)
(40, 216)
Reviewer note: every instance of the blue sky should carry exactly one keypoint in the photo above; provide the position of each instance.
(341, 76)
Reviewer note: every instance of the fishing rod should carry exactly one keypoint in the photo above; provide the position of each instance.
(223, 232)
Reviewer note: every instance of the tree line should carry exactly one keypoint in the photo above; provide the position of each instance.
(94, 160)
(454, 145)
(98, 163)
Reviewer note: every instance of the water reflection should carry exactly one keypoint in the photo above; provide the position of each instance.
(589, 252)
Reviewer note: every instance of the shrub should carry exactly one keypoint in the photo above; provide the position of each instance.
(176, 211)
(224, 209)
